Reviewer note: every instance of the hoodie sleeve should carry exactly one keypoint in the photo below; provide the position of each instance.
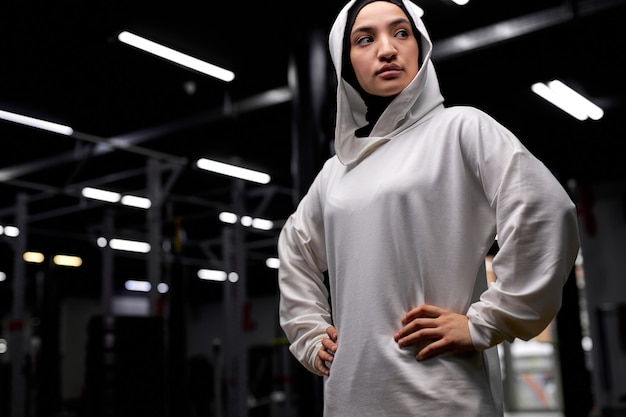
(537, 237)
(304, 309)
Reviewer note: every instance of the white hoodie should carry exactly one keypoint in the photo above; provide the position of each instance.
(404, 217)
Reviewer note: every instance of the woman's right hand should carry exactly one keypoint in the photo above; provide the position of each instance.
(327, 352)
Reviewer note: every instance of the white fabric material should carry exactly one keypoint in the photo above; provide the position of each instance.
(406, 217)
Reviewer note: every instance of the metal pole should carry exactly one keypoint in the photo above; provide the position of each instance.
(226, 355)
(17, 346)
(217, 376)
(154, 232)
(107, 264)
(240, 344)
(235, 353)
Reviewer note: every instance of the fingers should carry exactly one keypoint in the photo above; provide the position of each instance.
(332, 333)
(436, 329)
(423, 311)
(417, 333)
(414, 329)
(432, 349)
(326, 354)
(322, 360)
(329, 346)
(330, 343)
(320, 365)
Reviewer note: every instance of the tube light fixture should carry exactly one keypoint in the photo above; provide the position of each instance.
(114, 197)
(461, 2)
(33, 257)
(273, 263)
(10, 231)
(176, 56)
(217, 275)
(212, 275)
(136, 285)
(233, 171)
(227, 217)
(257, 223)
(136, 201)
(129, 245)
(37, 123)
(568, 100)
(102, 195)
(145, 286)
(262, 224)
(67, 260)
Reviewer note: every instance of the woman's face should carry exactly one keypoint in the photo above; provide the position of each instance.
(383, 49)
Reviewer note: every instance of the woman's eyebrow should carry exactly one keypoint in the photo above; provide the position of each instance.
(393, 23)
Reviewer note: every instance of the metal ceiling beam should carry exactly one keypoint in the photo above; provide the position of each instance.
(128, 142)
(520, 26)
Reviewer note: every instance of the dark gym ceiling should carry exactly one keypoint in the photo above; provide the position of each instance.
(132, 112)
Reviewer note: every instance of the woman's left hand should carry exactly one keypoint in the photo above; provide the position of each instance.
(447, 330)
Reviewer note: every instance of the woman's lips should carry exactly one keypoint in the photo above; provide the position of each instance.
(389, 71)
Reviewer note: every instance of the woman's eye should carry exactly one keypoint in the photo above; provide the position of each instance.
(363, 40)
(402, 33)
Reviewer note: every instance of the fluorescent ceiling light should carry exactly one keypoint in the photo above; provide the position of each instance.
(10, 231)
(135, 201)
(67, 260)
(135, 285)
(114, 197)
(145, 286)
(228, 217)
(33, 257)
(593, 111)
(257, 223)
(233, 171)
(216, 275)
(212, 275)
(175, 56)
(273, 263)
(129, 245)
(461, 2)
(568, 100)
(262, 224)
(38, 123)
(102, 195)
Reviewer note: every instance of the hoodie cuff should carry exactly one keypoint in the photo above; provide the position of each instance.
(484, 337)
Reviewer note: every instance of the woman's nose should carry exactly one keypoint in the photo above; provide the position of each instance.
(387, 48)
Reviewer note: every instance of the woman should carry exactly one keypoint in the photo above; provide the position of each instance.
(401, 219)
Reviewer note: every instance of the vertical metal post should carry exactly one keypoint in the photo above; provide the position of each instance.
(17, 338)
(107, 264)
(154, 231)
(575, 377)
(241, 344)
(217, 377)
(228, 304)
(311, 127)
(235, 352)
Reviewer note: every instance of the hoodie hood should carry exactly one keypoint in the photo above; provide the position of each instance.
(408, 108)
